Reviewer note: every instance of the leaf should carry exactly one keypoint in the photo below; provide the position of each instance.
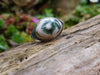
(11, 30)
(2, 49)
(1, 38)
(17, 38)
(3, 44)
(47, 12)
(2, 24)
(83, 2)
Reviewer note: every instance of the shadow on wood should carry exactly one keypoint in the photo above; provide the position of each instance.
(75, 52)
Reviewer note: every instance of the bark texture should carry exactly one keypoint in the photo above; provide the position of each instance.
(75, 52)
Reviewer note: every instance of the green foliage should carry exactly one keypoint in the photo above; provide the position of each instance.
(11, 30)
(2, 24)
(83, 2)
(2, 48)
(47, 12)
(17, 38)
(16, 24)
(3, 44)
(7, 15)
(81, 13)
(13, 34)
(71, 21)
(26, 37)
(20, 27)
(17, 18)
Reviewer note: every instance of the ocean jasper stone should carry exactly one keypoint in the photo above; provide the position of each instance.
(47, 29)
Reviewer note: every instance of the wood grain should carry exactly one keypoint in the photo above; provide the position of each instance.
(75, 52)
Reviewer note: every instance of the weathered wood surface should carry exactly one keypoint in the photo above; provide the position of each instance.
(75, 52)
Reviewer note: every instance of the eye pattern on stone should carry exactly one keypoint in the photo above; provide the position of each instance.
(47, 29)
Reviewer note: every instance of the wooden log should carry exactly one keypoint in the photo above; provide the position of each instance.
(75, 52)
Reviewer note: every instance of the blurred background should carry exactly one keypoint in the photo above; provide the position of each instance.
(18, 17)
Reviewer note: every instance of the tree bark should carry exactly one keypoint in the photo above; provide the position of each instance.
(75, 52)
